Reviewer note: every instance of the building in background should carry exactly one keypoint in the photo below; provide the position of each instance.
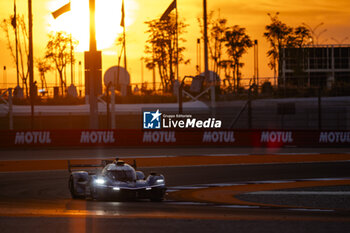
(314, 66)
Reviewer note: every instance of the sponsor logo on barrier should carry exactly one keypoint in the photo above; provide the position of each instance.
(97, 137)
(33, 137)
(159, 136)
(151, 120)
(276, 136)
(158, 120)
(219, 136)
(334, 137)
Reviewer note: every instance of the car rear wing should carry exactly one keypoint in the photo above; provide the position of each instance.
(101, 165)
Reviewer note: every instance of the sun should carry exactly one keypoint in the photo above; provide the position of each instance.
(76, 21)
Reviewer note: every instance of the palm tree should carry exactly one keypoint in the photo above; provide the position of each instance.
(302, 36)
(277, 34)
(237, 43)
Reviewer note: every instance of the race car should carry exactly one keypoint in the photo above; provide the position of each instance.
(116, 180)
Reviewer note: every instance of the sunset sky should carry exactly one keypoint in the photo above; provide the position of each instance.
(251, 14)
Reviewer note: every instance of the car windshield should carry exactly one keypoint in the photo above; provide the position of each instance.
(122, 175)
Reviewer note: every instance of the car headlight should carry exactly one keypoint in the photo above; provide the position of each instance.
(160, 181)
(116, 188)
(100, 181)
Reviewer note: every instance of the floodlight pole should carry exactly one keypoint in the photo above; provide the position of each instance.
(16, 39)
(92, 26)
(31, 63)
(92, 74)
(256, 64)
(213, 82)
(205, 38)
(112, 107)
(71, 59)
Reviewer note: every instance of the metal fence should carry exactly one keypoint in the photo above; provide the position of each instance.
(331, 113)
(294, 113)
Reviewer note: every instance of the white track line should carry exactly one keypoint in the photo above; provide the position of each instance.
(240, 206)
(310, 210)
(302, 193)
(200, 186)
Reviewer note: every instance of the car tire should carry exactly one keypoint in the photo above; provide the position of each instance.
(71, 187)
(157, 195)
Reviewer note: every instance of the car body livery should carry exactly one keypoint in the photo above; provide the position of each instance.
(116, 181)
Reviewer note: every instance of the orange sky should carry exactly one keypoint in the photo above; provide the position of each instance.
(251, 14)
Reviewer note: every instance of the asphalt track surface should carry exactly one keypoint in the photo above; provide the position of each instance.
(39, 201)
(79, 153)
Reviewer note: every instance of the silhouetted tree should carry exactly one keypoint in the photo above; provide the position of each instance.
(301, 36)
(237, 43)
(161, 48)
(228, 66)
(216, 38)
(9, 25)
(279, 35)
(58, 50)
(43, 67)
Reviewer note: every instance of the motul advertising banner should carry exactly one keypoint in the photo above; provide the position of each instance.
(193, 137)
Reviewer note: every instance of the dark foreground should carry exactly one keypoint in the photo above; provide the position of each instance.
(40, 202)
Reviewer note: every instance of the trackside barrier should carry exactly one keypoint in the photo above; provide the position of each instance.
(234, 138)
